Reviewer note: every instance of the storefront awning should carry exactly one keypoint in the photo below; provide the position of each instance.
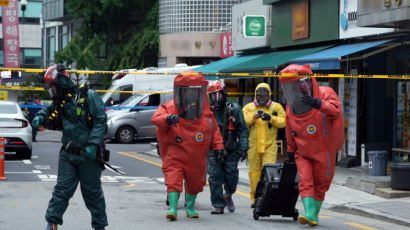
(330, 58)
(270, 61)
(215, 67)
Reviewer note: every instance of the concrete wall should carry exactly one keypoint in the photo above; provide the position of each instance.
(190, 45)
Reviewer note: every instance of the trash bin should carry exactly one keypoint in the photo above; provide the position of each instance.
(377, 163)
(399, 174)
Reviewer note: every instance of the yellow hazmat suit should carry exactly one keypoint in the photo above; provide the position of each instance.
(262, 134)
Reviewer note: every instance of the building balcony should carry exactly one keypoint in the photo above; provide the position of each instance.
(53, 10)
(383, 13)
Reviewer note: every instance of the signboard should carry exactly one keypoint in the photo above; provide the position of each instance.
(300, 20)
(253, 7)
(4, 2)
(350, 112)
(254, 26)
(348, 22)
(11, 35)
(226, 45)
(3, 95)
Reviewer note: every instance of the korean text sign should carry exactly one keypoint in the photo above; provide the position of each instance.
(11, 35)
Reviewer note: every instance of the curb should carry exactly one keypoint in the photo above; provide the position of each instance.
(371, 213)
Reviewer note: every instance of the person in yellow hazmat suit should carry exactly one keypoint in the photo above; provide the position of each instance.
(263, 118)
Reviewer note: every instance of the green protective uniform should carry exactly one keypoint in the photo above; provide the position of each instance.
(73, 168)
(227, 174)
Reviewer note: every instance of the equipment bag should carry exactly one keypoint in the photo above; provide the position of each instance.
(277, 191)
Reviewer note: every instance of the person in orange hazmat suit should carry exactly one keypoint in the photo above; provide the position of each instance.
(186, 131)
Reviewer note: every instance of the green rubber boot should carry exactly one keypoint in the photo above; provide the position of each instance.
(173, 205)
(308, 218)
(190, 203)
(318, 205)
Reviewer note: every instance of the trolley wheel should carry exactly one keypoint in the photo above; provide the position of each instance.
(295, 215)
(255, 214)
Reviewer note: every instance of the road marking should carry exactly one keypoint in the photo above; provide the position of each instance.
(42, 166)
(139, 158)
(17, 172)
(160, 165)
(325, 217)
(243, 194)
(128, 185)
(359, 226)
(37, 171)
(112, 179)
(47, 177)
(27, 162)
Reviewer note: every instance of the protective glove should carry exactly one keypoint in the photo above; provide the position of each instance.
(291, 157)
(90, 152)
(219, 155)
(172, 119)
(37, 121)
(309, 100)
(266, 117)
(243, 155)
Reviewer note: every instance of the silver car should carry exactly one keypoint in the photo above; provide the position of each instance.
(16, 130)
(131, 119)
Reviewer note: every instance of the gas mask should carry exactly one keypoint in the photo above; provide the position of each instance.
(262, 96)
(189, 101)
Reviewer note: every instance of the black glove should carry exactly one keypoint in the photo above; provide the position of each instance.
(309, 100)
(266, 117)
(172, 119)
(291, 157)
(243, 155)
(219, 155)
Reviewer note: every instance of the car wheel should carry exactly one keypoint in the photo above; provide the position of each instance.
(125, 135)
(27, 154)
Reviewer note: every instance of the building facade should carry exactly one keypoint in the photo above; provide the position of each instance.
(190, 30)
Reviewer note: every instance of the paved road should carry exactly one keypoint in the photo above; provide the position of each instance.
(134, 201)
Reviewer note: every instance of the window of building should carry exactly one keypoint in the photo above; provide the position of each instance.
(51, 45)
(62, 36)
(31, 57)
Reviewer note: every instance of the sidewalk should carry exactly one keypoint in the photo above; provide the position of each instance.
(341, 197)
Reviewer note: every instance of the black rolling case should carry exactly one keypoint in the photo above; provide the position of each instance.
(277, 191)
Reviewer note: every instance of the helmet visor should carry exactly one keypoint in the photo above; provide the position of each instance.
(294, 92)
(190, 101)
(216, 98)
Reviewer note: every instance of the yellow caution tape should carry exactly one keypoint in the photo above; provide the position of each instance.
(102, 72)
(21, 88)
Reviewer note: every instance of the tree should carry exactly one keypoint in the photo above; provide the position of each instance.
(114, 34)
(29, 95)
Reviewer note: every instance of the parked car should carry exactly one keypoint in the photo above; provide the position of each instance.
(156, 80)
(131, 120)
(16, 130)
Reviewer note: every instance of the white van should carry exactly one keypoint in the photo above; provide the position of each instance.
(142, 82)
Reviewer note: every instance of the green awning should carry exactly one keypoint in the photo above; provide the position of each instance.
(215, 67)
(270, 61)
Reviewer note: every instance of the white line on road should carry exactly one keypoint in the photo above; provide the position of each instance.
(27, 162)
(37, 171)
